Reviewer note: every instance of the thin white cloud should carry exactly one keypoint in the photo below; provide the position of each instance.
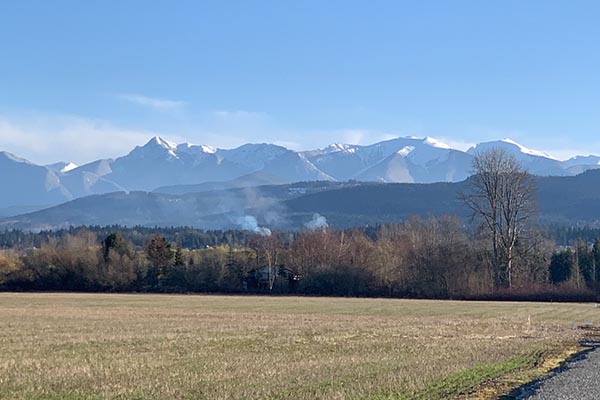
(152, 102)
(239, 115)
(45, 139)
(355, 136)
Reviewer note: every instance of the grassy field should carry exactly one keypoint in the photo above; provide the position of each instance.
(103, 346)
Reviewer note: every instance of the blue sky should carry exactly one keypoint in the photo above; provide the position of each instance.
(81, 80)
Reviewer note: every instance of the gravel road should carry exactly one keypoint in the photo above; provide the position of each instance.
(579, 381)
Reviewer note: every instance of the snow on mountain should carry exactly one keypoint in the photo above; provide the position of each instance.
(332, 148)
(156, 147)
(342, 165)
(295, 167)
(27, 184)
(423, 163)
(536, 162)
(160, 163)
(359, 162)
(511, 146)
(582, 160)
(98, 167)
(69, 167)
(579, 164)
(195, 149)
(405, 151)
(277, 161)
(525, 150)
(395, 168)
(90, 179)
(423, 151)
(253, 155)
(61, 167)
(435, 143)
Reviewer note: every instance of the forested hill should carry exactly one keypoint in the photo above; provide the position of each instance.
(561, 200)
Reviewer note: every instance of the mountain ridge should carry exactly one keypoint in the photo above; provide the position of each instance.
(160, 163)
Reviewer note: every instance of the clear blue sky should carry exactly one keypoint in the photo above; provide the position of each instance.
(88, 79)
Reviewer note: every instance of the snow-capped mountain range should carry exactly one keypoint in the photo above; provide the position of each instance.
(162, 164)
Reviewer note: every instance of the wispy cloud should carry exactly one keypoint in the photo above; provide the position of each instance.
(355, 136)
(45, 138)
(239, 115)
(152, 102)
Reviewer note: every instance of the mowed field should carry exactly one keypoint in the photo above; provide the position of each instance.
(110, 346)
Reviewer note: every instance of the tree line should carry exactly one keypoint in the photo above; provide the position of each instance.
(422, 258)
(182, 236)
(499, 254)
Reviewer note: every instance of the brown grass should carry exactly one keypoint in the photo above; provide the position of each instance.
(103, 346)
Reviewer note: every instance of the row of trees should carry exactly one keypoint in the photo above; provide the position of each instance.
(437, 257)
(432, 258)
(187, 237)
(579, 266)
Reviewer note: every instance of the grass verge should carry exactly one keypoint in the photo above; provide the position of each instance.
(491, 380)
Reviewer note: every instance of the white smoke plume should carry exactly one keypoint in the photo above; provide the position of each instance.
(317, 222)
(249, 223)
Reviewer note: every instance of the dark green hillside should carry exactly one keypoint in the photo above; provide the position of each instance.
(562, 200)
(377, 199)
(570, 199)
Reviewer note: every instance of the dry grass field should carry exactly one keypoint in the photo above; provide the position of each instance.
(104, 346)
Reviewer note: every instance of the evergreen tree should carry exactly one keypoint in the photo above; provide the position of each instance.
(585, 261)
(160, 256)
(179, 260)
(596, 258)
(116, 242)
(561, 266)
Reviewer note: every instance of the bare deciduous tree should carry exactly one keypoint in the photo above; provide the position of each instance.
(502, 195)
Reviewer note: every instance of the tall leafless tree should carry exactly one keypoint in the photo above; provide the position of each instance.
(502, 195)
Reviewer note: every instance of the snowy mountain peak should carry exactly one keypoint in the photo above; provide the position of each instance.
(435, 143)
(160, 163)
(511, 146)
(157, 146)
(525, 150)
(158, 141)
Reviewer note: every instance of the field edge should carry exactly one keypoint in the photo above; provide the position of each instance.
(501, 380)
